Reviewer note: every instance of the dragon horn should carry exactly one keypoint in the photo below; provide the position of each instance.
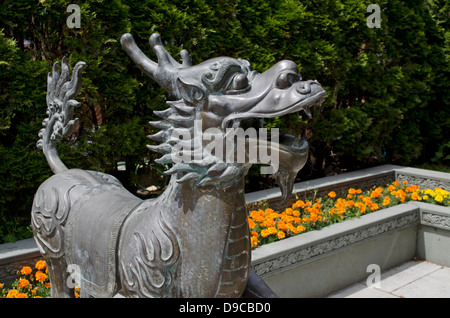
(135, 53)
(165, 72)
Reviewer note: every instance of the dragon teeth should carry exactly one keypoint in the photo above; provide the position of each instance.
(308, 112)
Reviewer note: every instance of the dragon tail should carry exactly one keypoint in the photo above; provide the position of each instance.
(60, 105)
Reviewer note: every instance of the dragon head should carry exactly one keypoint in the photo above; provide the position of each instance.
(217, 96)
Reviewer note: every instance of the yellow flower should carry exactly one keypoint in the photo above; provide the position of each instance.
(26, 270)
(429, 192)
(386, 201)
(439, 198)
(281, 235)
(40, 265)
(23, 283)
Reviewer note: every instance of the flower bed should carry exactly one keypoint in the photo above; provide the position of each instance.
(267, 226)
(29, 283)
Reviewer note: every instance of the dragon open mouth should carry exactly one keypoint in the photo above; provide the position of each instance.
(292, 150)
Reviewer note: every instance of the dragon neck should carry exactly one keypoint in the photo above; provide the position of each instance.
(182, 144)
(209, 220)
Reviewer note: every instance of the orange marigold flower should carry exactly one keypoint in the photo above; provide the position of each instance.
(26, 270)
(251, 223)
(350, 203)
(253, 240)
(281, 226)
(386, 201)
(281, 235)
(361, 206)
(351, 191)
(40, 265)
(254, 233)
(301, 228)
(332, 194)
(23, 283)
(376, 193)
(341, 211)
(268, 222)
(21, 295)
(269, 210)
(40, 276)
(12, 293)
(37, 297)
(367, 201)
(292, 228)
(415, 196)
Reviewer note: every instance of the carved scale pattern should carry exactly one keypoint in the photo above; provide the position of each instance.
(424, 183)
(435, 219)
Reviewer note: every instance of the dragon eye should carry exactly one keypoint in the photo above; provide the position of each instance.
(239, 83)
(285, 80)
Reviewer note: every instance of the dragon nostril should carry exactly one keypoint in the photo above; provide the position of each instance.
(304, 88)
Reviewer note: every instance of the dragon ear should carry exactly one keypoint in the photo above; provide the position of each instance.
(191, 93)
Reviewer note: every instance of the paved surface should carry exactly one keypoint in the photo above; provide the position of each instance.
(414, 279)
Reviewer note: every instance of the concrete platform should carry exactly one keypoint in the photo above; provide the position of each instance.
(413, 279)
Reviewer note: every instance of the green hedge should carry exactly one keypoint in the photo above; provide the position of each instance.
(388, 87)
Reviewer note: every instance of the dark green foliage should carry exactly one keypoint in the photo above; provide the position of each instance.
(388, 87)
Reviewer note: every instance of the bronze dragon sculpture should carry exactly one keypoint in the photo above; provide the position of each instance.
(193, 240)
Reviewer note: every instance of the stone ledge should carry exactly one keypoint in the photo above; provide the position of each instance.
(281, 255)
(14, 256)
